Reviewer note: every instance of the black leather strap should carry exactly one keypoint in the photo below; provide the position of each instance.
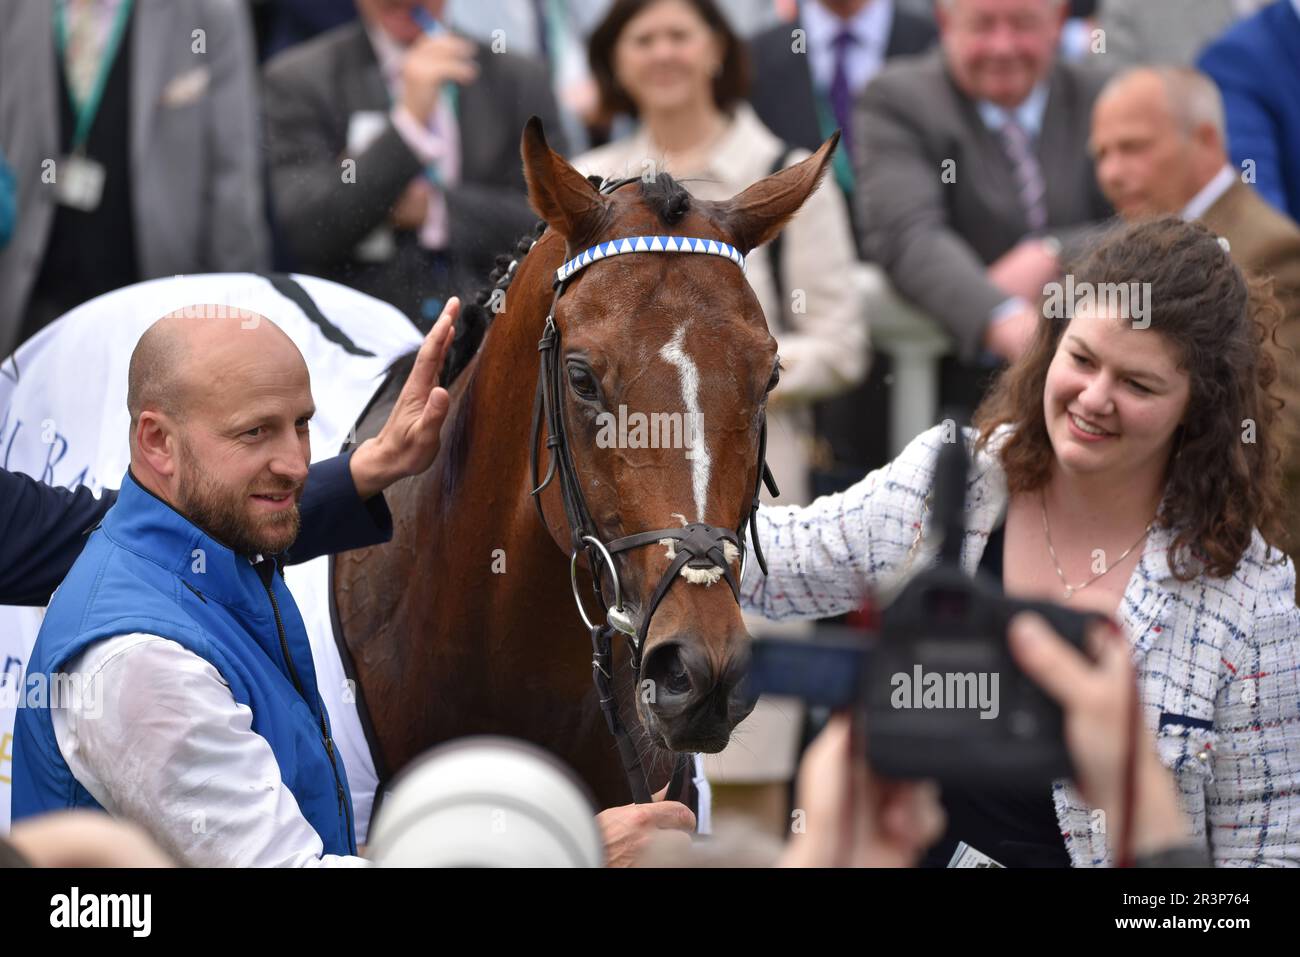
(602, 674)
(681, 786)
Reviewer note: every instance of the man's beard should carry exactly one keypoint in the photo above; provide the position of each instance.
(223, 513)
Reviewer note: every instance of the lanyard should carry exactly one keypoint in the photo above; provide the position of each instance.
(553, 26)
(87, 109)
(453, 99)
(433, 27)
(841, 162)
(433, 172)
(451, 91)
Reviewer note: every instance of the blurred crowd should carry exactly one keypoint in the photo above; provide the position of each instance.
(982, 143)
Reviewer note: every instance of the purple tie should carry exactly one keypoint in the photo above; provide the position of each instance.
(1028, 173)
(841, 95)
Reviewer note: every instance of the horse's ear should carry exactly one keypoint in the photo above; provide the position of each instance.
(759, 213)
(557, 192)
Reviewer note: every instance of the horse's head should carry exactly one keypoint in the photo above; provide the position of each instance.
(662, 366)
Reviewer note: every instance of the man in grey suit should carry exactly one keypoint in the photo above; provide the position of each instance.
(131, 128)
(1165, 31)
(973, 169)
(394, 153)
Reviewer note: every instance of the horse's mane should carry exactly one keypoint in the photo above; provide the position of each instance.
(667, 198)
(476, 316)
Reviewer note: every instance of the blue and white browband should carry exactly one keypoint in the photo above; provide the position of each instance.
(648, 244)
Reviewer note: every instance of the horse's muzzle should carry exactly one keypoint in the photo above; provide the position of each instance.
(691, 707)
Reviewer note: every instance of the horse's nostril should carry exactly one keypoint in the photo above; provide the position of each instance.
(678, 681)
(667, 667)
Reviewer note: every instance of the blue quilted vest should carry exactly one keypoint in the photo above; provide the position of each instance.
(149, 569)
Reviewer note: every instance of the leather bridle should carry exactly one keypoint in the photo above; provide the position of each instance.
(696, 546)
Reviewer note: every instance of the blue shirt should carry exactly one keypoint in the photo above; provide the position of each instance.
(1029, 114)
(871, 26)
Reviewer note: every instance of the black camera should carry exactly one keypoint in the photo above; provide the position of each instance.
(941, 696)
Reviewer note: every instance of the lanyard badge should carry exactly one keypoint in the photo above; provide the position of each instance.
(80, 183)
(79, 179)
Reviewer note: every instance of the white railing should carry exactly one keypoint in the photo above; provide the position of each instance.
(916, 343)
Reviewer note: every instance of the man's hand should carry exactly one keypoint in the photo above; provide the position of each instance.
(412, 207)
(408, 442)
(1025, 268)
(851, 817)
(629, 829)
(1010, 336)
(429, 63)
(85, 839)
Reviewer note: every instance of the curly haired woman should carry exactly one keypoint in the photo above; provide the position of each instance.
(1127, 464)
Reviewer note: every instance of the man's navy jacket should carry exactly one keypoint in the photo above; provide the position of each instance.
(43, 529)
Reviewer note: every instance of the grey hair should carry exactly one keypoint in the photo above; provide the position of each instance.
(1193, 97)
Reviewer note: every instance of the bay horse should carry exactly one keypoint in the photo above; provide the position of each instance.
(465, 623)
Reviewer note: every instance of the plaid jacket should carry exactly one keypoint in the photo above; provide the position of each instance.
(1218, 660)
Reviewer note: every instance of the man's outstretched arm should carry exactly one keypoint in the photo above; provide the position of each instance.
(42, 531)
(43, 528)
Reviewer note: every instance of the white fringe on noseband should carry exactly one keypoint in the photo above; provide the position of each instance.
(700, 576)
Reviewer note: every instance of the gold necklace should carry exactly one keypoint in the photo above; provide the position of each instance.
(1071, 589)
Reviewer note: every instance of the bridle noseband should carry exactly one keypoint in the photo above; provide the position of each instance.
(696, 545)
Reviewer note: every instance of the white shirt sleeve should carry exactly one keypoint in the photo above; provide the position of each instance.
(158, 738)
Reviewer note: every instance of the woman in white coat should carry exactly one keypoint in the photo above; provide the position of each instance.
(1127, 464)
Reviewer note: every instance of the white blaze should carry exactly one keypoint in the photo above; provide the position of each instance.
(675, 354)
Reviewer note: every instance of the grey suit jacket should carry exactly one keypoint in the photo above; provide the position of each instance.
(1161, 31)
(310, 93)
(935, 238)
(193, 141)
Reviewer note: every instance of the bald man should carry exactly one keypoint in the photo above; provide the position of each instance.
(1160, 149)
(189, 701)
(44, 527)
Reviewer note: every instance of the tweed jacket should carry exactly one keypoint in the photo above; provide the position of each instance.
(1217, 659)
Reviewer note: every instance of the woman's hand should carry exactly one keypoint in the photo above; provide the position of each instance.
(1098, 701)
(847, 817)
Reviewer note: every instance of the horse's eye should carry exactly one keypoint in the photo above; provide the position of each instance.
(776, 377)
(582, 382)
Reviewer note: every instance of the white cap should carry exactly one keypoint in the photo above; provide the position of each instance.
(487, 802)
